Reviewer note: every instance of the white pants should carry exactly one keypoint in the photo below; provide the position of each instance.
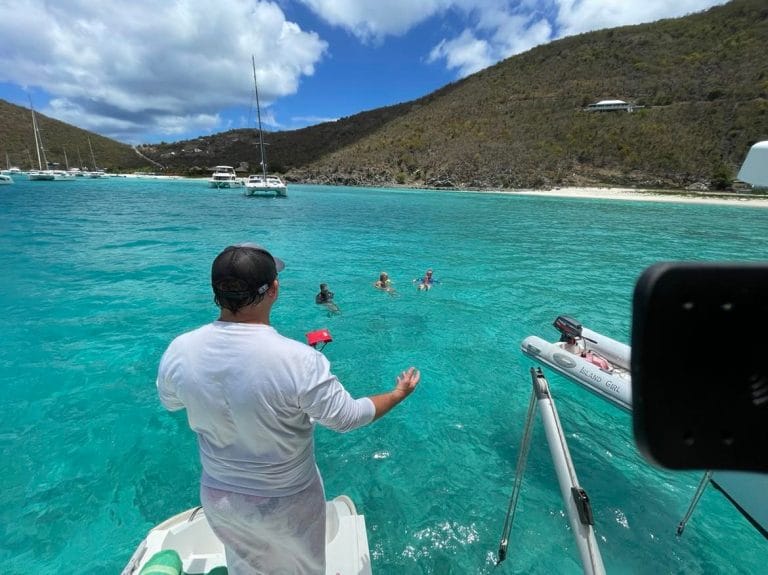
(269, 535)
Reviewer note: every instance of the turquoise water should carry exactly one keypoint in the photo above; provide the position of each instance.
(99, 275)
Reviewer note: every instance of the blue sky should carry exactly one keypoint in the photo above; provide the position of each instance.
(156, 70)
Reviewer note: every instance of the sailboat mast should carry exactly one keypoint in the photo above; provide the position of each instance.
(93, 158)
(42, 147)
(258, 114)
(35, 130)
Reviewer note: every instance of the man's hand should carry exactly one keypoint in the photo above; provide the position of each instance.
(406, 382)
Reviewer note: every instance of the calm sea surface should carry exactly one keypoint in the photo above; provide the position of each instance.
(99, 275)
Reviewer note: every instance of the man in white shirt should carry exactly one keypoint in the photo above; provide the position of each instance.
(252, 397)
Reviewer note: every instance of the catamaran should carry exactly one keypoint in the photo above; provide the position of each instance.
(262, 184)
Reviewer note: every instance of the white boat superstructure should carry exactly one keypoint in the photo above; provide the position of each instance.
(754, 170)
(225, 177)
(200, 551)
(5, 180)
(269, 186)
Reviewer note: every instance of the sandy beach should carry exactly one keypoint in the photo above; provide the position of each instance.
(652, 196)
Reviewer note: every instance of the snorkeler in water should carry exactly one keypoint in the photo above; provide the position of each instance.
(325, 298)
(384, 284)
(425, 283)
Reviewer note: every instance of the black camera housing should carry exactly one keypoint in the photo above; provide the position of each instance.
(700, 365)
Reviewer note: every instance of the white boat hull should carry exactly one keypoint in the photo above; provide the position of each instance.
(270, 187)
(226, 184)
(44, 176)
(613, 384)
(264, 191)
(190, 535)
(62, 175)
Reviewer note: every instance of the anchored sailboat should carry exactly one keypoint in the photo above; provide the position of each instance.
(40, 174)
(263, 184)
(96, 172)
(10, 170)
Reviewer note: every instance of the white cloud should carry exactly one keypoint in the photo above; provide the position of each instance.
(465, 53)
(373, 20)
(576, 16)
(499, 29)
(119, 68)
(492, 30)
(310, 120)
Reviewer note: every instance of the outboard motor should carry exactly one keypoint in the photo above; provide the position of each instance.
(568, 327)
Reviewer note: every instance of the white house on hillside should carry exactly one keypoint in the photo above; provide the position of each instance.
(610, 106)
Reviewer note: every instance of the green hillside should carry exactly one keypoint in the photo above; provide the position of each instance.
(17, 139)
(701, 82)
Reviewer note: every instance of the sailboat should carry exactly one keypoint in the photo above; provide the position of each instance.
(10, 170)
(95, 173)
(44, 174)
(263, 184)
(71, 172)
(40, 174)
(64, 174)
(5, 176)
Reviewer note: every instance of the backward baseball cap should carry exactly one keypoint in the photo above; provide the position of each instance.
(244, 271)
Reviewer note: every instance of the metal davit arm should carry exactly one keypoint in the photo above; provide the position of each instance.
(574, 497)
(522, 459)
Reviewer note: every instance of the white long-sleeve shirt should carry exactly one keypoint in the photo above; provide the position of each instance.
(252, 396)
